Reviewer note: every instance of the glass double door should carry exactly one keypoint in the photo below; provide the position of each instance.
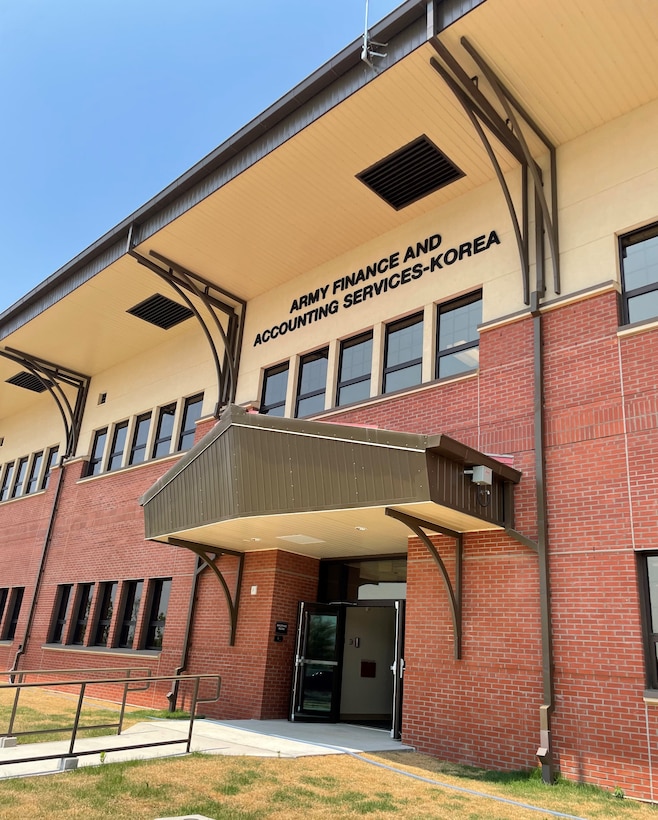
(349, 664)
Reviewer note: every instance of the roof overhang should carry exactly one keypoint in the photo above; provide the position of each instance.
(257, 482)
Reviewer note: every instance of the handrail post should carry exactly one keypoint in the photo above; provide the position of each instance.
(74, 731)
(123, 707)
(195, 695)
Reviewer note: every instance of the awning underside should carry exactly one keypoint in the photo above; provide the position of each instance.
(257, 482)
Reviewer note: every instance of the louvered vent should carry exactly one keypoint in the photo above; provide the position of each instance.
(413, 172)
(28, 381)
(161, 311)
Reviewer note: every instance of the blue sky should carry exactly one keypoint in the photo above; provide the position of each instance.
(105, 102)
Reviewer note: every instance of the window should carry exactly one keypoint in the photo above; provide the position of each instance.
(50, 464)
(403, 354)
(3, 601)
(160, 591)
(649, 593)
(118, 446)
(354, 369)
(457, 335)
(6, 481)
(82, 607)
(60, 613)
(275, 386)
(35, 470)
(102, 632)
(639, 268)
(21, 470)
(140, 438)
(164, 431)
(96, 461)
(191, 414)
(312, 383)
(132, 597)
(13, 611)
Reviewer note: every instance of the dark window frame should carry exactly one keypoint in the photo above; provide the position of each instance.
(392, 327)
(156, 620)
(7, 478)
(442, 310)
(308, 358)
(13, 613)
(164, 411)
(107, 594)
(188, 427)
(143, 418)
(51, 460)
(650, 638)
(270, 372)
(97, 459)
(341, 384)
(628, 240)
(20, 474)
(34, 473)
(4, 596)
(61, 611)
(129, 613)
(84, 596)
(118, 450)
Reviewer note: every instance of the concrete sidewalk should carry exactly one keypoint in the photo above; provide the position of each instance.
(256, 738)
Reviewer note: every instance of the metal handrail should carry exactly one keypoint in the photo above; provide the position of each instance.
(148, 680)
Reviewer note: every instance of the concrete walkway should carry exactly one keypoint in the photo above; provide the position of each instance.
(256, 738)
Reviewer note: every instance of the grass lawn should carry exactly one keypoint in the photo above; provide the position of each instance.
(247, 788)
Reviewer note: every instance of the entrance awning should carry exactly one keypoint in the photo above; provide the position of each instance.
(257, 482)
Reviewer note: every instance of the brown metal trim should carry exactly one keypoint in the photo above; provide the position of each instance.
(233, 602)
(417, 525)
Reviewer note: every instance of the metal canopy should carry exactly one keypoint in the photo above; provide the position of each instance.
(257, 482)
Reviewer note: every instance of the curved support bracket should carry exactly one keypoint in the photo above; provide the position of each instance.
(224, 335)
(54, 377)
(507, 130)
(417, 525)
(233, 601)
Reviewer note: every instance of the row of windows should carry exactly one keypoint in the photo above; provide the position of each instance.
(28, 474)
(135, 440)
(87, 615)
(11, 600)
(457, 341)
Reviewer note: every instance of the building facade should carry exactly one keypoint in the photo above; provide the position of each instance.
(361, 411)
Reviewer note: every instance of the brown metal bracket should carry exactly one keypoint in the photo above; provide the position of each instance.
(417, 525)
(202, 551)
(53, 377)
(225, 342)
(508, 132)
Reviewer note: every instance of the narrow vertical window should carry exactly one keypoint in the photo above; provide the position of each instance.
(312, 383)
(60, 613)
(354, 369)
(118, 446)
(458, 336)
(160, 591)
(81, 617)
(3, 601)
(13, 611)
(403, 354)
(639, 269)
(102, 632)
(35, 470)
(191, 414)
(6, 481)
(98, 449)
(164, 431)
(50, 465)
(19, 481)
(132, 598)
(275, 387)
(140, 438)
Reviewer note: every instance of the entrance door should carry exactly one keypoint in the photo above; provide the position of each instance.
(318, 662)
(349, 664)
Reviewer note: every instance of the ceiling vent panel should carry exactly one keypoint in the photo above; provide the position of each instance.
(161, 311)
(28, 381)
(411, 173)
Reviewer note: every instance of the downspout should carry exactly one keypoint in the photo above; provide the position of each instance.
(22, 647)
(173, 695)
